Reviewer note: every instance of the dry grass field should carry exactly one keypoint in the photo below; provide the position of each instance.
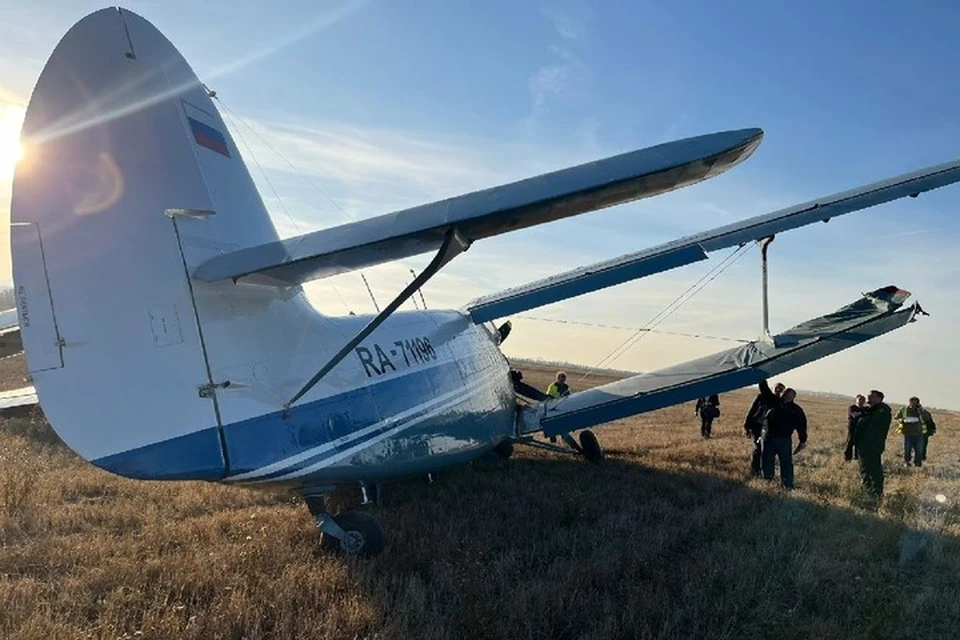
(669, 538)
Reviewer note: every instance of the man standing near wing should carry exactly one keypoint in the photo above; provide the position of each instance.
(854, 412)
(916, 425)
(753, 426)
(870, 436)
(784, 417)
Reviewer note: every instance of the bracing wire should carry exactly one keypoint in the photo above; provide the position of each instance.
(600, 325)
(283, 205)
(305, 177)
(649, 327)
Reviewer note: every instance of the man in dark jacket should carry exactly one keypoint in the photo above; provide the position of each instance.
(753, 425)
(784, 417)
(708, 409)
(870, 438)
(854, 412)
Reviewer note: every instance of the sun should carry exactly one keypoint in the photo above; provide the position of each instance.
(11, 151)
(10, 155)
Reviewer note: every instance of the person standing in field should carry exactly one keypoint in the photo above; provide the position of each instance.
(559, 387)
(870, 437)
(753, 426)
(783, 418)
(708, 409)
(853, 416)
(916, 425)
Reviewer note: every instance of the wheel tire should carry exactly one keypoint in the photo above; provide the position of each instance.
(365, 536)
(591, 447)
(504, 450)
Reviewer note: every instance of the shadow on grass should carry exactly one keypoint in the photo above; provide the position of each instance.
(547, 546)
(557, 548)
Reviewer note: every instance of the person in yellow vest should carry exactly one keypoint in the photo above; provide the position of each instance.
(916, 425)
(559, 388)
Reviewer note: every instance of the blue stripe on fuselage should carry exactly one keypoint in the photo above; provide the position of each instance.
(425, 402)
(195, 456)
(331, 419)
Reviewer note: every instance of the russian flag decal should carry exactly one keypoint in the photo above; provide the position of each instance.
(207, 136)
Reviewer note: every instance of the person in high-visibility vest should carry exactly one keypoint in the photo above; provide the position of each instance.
(560, 387)
(916, 425)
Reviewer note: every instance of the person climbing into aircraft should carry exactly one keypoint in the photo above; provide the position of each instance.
(524, 389)
(916, 425)
(753, 426)
(708, 409)
(783, 418)
(559, 388)
(870, 437)
(854, 412)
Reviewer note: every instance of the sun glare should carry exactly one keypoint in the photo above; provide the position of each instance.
(11, 151)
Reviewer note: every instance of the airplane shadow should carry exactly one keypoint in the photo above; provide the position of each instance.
(555, 547)
(550, 546)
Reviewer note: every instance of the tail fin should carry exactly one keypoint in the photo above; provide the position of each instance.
(129, 180)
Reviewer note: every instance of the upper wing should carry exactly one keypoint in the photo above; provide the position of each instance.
(694, 248)
(873, 315)
(486, 213)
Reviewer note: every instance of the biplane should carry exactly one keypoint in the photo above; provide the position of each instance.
(168, 336)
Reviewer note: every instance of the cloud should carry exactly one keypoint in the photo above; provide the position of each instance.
(309, 28)
(566, 75)
(899, 234)
(571, 20)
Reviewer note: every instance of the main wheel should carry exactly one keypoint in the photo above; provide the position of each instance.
(364, 535)
(504, 450)
(591, 447)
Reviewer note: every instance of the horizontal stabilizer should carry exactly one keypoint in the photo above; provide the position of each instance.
(871, 316)
(18, 398)
(695, 247)
(11, 342)
(9, 318)
(544, 198)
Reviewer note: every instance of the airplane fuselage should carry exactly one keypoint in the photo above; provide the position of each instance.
(434, 390)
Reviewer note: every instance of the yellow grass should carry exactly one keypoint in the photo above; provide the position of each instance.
(668, 538)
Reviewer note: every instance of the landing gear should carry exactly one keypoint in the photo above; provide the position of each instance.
(351, 532)
(591, 448)
(588, 446)
(504, 450)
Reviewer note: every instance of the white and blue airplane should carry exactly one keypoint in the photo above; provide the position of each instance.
(168, 337)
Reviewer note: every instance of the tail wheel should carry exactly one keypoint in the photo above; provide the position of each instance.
(591, 447)
(504, 450)
(364, 535)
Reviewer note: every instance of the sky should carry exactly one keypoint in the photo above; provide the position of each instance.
(349, 109)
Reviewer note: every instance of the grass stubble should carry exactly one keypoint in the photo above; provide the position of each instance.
(669, 538)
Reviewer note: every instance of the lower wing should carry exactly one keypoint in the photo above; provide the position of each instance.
(873, 315)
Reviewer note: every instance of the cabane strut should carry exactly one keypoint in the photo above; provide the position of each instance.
(453, 245)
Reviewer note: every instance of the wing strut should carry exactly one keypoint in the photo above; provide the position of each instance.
(453, 245)
(765, 333)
